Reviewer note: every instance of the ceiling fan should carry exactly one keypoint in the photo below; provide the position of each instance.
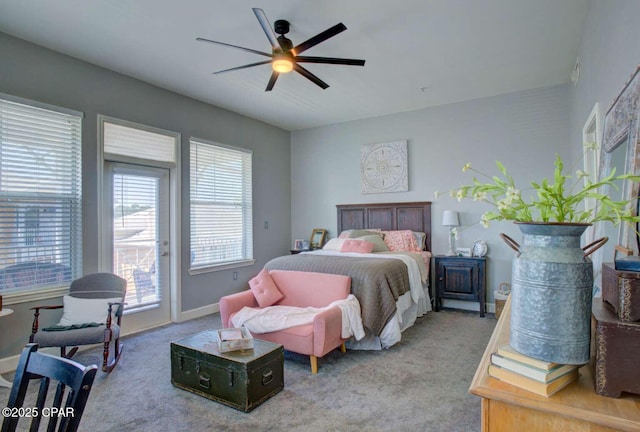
(284, 56)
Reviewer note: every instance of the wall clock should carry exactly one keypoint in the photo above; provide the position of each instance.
(479, 248)
(383, 167)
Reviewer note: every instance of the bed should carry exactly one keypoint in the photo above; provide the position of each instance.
(391, 286)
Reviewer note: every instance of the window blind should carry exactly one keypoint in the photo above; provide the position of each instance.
(134, 142)
(221, 204)
(40, 197)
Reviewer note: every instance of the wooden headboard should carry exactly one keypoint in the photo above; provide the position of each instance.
(414, 216)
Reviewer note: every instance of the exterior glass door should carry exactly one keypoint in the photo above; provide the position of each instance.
(139, 238)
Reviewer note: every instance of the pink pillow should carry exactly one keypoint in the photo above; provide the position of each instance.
(401, 241)
(264, 289)
(359, 246)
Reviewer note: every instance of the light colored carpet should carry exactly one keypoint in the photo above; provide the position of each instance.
(420, 384)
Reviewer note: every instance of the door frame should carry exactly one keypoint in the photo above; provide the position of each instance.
(174, 207)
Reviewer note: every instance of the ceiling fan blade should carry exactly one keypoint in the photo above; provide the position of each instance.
(242, 67)
(234, 46)
(266, 27)
(311, 77)
(272, 81)
(330, 60)
(320, 37)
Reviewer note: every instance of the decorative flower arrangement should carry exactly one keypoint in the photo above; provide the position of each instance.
(557, 201)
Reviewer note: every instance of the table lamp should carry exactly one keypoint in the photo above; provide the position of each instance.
(450, 219)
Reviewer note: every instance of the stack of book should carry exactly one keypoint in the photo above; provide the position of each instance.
(537, 376)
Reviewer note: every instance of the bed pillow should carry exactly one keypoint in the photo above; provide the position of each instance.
(84, 310)
(357, 245)
(345, 234)
(264, 289)
(421, 239)
(401, 241)
(334, 244)
(357, 233)
(379, 244)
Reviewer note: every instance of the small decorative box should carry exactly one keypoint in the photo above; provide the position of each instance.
(621, 290)
(234, 339)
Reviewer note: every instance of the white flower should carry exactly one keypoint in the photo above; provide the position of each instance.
(480, 196)
(484, 220)
(466, 167)
(512, 193)
(460, 195)
(437, 194)
(503, 204)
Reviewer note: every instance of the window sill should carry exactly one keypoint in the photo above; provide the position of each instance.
(220, 267)
(34, 295)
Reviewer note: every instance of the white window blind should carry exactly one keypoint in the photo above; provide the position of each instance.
(221, 204)
(40, 197)
(134, 142)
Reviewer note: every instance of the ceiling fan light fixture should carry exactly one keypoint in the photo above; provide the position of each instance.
(282, 64)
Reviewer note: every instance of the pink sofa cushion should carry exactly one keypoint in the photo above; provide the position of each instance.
(264, 289)
(359, 246)
(309, 288)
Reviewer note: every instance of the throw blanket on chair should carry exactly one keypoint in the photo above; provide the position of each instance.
(274, 318)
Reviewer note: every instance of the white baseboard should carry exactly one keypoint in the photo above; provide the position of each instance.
(199, 312)
(9, 364)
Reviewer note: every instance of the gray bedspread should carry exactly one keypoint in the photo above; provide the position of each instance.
(376, 282)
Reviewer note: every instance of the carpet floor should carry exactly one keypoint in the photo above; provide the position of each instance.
(420, 384)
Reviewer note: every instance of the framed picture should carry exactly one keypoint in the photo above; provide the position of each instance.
(299, 244)
(463, 252)
(317, 238)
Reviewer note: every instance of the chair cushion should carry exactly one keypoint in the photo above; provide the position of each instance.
(83, 310)
(264, 289)
(84, 336)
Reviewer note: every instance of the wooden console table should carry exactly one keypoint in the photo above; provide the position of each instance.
(577, 407)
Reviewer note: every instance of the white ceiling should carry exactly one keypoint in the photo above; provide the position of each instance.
(418, 53)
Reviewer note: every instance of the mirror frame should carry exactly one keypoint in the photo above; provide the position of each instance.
(621, 123)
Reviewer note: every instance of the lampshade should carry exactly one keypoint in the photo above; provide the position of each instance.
(450, 218)
(282, 64)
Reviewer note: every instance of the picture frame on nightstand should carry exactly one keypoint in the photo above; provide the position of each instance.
(463, 252)
(317, 238)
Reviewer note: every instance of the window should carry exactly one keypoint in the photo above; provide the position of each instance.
(40, 196)
(129, 140)
(221, 205)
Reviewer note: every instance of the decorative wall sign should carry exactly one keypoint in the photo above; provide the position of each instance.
(383, 167)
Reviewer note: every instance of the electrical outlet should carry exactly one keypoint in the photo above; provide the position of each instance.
(235, 275)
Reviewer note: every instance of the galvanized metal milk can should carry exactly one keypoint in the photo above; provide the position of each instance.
(552, 283)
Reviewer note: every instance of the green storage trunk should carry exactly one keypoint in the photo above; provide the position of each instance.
(240, 379)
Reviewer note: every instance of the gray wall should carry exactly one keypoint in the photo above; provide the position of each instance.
(523, 130)
(609, 53)
(32, 72)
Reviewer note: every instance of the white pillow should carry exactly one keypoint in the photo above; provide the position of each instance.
(335, 244)
(84, 311)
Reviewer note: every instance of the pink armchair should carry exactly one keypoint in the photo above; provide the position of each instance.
(301, 289)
